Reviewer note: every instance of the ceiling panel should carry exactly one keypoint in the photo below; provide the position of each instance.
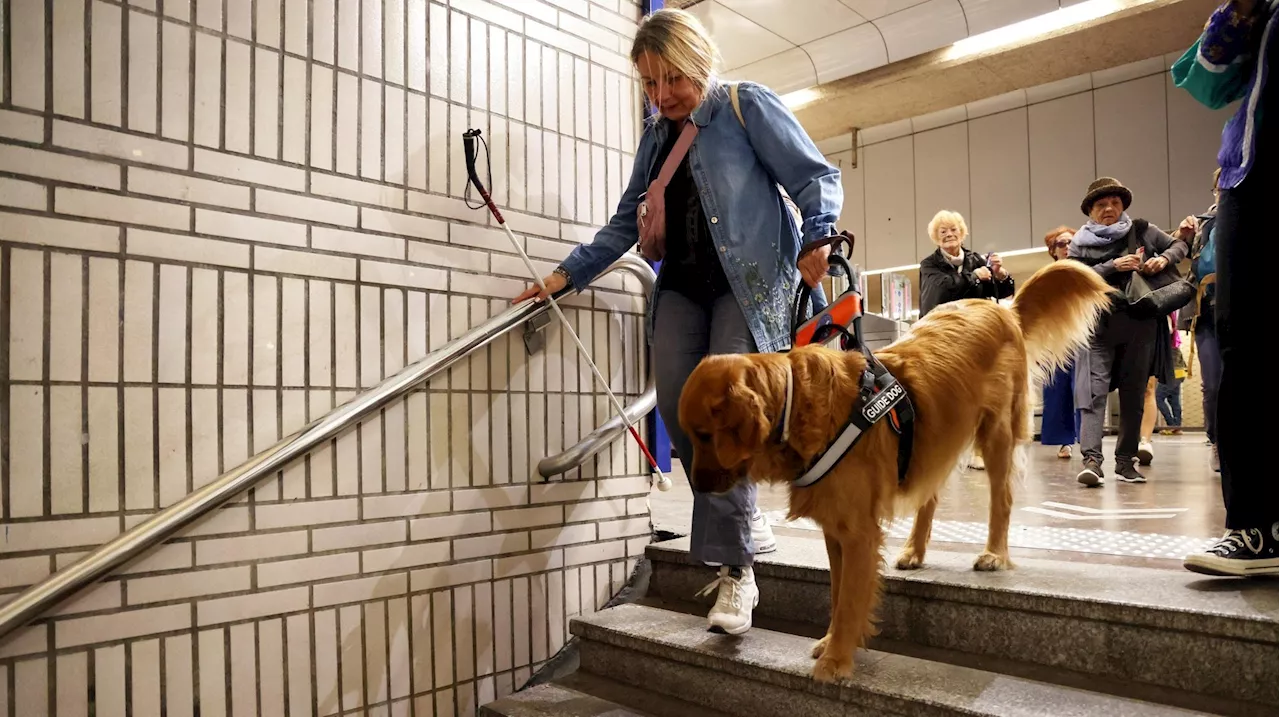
(936, 80)
(844, 37)
(848, 52)
(741, 41)
(925, 27)
(984, 15)
(872, 9)
(797, 22)
(784, 72)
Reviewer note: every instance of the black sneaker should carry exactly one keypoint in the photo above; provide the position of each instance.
(1126, 472)
(1091, 476)
(1240, 553)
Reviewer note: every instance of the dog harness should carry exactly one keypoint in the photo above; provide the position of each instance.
(880, 395)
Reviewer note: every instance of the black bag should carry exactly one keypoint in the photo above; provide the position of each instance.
(1156, 295)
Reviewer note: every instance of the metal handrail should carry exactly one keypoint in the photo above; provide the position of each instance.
(56, 588)
(598, 439)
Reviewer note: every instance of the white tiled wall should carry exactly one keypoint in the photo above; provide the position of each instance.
(221, 218)
(1017, 165)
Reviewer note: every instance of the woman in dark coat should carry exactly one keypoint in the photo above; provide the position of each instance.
(953, 273)
(1124, 351)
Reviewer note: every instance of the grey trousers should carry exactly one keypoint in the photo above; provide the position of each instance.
(683, 333)
(1121, 352)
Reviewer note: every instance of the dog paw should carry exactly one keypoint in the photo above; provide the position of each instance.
(908, 560)
(829, 668)
(820, 647)
(990, 562)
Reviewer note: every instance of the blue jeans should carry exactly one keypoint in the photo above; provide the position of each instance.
(1210, 377)
(1059, 421)
(685, 332)
(1169, 401)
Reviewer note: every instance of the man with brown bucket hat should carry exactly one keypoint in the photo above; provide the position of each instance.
(1125, 350)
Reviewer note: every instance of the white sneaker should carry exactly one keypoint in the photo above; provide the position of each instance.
(737, 597)
(1214, 461)
(1146, 453)
(762, 534)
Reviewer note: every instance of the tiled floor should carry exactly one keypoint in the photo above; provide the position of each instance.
(1177, 511)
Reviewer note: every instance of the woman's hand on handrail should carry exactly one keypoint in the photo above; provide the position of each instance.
(554, 282)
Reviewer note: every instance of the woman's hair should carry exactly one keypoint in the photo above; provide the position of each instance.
(1217, 174)
(680, 41)
(946, 216)
(1051, 238)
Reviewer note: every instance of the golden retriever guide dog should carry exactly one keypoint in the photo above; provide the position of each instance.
(968, 368)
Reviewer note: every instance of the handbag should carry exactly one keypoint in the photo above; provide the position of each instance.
(651, 214)
(1159, 294)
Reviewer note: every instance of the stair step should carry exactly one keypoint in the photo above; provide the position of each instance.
(585, 695)
(767, 674)
(1165, 628)
(552, 700)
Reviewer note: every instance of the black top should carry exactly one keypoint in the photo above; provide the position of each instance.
(940, 282)
(690, 266)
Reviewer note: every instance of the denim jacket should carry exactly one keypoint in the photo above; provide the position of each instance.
(736, 167)
(1232, 61)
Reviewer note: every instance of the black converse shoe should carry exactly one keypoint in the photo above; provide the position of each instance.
(1126, 472)
(1240, 553)
(1091, 475)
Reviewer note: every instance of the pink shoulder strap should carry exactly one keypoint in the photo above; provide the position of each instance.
(677, 153)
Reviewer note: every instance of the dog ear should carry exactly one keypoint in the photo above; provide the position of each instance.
(746, 425)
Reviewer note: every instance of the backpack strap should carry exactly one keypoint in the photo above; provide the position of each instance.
(737, 106)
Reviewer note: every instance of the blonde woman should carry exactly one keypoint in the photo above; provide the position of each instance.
(729, 255)
(952, 273)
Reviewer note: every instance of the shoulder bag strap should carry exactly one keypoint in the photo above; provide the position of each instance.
(678, 152)
(1135, 235)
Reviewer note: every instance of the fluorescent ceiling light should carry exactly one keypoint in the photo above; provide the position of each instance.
(800, 98)
(1034, 27)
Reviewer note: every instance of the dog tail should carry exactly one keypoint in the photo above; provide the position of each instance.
(1057, 309)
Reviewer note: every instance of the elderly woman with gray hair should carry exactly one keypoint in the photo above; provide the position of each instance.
(1124, 351)
(952, 273)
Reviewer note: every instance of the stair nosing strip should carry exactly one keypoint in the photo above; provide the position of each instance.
(1102, 610)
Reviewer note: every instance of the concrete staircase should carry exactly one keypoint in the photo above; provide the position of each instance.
(1049, 638)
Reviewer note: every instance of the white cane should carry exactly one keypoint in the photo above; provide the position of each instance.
(469, 147)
